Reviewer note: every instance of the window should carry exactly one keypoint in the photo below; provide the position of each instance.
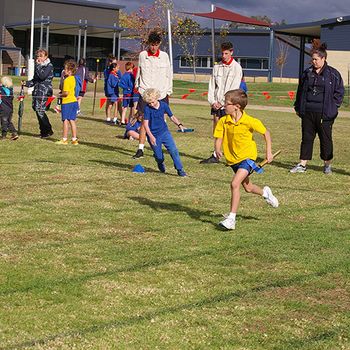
(254, 63)
(201, 62)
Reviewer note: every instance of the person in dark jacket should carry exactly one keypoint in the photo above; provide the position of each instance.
(42, 83)
(319, 96)
(6, 108)
(83, 73)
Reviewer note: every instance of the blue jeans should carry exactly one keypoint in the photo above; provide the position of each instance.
(167, 140)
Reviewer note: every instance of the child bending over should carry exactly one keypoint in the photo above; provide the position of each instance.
(157, 130)
(234, 134)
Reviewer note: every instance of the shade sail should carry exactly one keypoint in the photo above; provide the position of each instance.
(225, 15)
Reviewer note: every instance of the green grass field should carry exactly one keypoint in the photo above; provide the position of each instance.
(266, 94)
(94, 256)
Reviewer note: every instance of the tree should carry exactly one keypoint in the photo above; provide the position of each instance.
(145, 19)
(187, 32)
(281, 59)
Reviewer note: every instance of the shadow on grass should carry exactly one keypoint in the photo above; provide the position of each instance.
(194, 305)
(124, 166)
(318, 168)
(191, 212)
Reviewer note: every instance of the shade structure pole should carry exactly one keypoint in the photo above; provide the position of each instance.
(85, 39)
(213, 35)
(170, 40)
(271, 50)
(79, 41)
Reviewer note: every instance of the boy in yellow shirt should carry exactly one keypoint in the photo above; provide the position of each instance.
(70, 104)
(234, 134)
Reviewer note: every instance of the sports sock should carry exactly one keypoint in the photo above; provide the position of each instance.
(232, 216)
(141, 146)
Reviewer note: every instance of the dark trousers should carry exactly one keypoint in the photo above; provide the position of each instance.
(39, 106)
(6, 122)
(311, 125)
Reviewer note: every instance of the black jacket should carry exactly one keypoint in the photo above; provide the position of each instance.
(333, 94)
(42, 80)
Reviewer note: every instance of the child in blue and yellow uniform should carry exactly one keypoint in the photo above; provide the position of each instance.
(157, 130)
(127, 83)
(234, 134)
(70, 104)
(132, 130)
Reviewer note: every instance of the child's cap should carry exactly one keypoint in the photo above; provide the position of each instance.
(138, 168)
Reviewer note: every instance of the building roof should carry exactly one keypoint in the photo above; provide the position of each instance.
(311, 29)
(70, 28)
(226, 15)
(88, 3)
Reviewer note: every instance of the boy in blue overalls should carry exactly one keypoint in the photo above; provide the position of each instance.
(157, 130)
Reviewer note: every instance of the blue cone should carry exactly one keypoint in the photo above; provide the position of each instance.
(138, 168)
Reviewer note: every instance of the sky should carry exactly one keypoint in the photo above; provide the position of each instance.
(292, 11)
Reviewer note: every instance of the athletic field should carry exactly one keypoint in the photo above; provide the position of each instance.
(94, 256)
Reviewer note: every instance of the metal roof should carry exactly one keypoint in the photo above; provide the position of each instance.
(70, 28)
(88, 3)
(312, 29)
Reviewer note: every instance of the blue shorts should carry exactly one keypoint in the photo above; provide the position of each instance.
(244, 164)
(136, 97)
(128, 101)
(69, 111)
(113, 98)
(218, 112)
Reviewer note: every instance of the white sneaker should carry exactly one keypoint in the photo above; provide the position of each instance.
(269, 197)
(228, 223)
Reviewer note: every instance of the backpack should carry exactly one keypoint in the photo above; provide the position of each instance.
(78, 85)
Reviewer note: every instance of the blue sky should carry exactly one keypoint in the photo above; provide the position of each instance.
(293, 11)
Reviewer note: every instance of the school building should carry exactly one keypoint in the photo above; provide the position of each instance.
(254, 48)
(67, 28)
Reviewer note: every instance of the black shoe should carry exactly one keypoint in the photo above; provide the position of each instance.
(14, 137)
(138, 154)
(210, 160)
(45, 136)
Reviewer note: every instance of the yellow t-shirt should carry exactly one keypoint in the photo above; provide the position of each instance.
(237, 138)
(69, 86)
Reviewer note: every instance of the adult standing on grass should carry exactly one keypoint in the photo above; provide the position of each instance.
(154, 71)
(227, 75)
(42, 83)
(319, 96)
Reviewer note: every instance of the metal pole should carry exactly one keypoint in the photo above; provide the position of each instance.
(213, 35)
(170, 41)
(85, 39)
(114, 38)
(41, 31)
(271, 50)
(31, 49)
(119, 40)
(0, 62)
(19, 62)
(79, 40)
(47, 33)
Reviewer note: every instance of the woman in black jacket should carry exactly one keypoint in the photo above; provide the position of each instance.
(320, 94)
(42, 83)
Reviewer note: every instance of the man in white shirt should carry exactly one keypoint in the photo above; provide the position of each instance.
(226, 76)
(154, 71)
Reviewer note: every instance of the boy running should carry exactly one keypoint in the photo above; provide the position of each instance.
(234, 134)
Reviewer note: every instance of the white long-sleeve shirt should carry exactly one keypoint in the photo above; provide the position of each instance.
(225, 77)
(154, 72)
